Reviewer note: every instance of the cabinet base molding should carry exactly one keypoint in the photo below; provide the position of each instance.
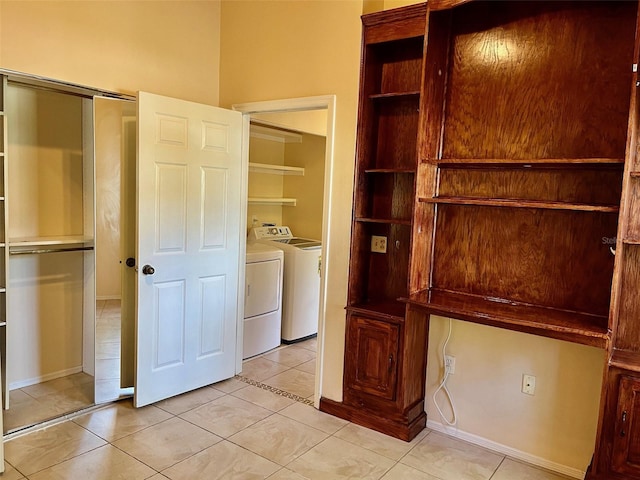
(607, 476)
(404, 430)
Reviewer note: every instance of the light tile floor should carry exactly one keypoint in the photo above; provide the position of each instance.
(241, 429)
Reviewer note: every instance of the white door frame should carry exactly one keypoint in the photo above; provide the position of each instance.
(322, 102)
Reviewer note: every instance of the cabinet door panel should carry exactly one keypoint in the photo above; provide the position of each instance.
(372, 346)
(626, 444)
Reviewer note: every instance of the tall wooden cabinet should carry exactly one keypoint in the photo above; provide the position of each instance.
(505, 184)
(384, 377)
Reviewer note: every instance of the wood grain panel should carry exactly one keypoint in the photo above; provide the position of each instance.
(414, 361)
(371, 356)
(596, 186)
(396, 133)
(542, 257)
(539, 80)
(378, 277)
(395, 67)
(587, 329)
(626, 440)
(396, 24)
(391, 196)
(627, 336)
(383, 420)
(423, 231)
(633, 219)
(388, 271)
(434, 85)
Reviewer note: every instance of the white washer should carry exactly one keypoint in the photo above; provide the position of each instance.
(262, 299)
(301, 288)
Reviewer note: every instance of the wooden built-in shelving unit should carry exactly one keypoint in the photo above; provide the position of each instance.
(497, 154)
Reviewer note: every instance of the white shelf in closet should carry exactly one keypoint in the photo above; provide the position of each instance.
(275, 169)
(66, 242)
(288, 202)
(51, 241)
(274, 133)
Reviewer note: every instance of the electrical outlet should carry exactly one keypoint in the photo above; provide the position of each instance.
(378, 244)
(450, 364)
(528, 384)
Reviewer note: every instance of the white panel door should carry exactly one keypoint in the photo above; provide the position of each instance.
(189, 236)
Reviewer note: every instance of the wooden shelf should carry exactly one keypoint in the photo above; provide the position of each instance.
(275, 169)
(389, 221)
(625, 359)
(390, 310)
(634, 174)
(631, 241)
(578, 327)
(287, 202)
(522, 162)
(392, 95)
(501, 202)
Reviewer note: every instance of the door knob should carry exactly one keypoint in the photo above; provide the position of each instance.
(148, 270)
(130, 262)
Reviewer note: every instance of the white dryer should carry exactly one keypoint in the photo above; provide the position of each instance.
(301, 288)
(262, 299)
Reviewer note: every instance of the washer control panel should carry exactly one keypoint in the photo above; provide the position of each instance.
(270, 233)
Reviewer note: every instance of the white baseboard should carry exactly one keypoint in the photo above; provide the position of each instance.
(44, 378)
(505, 450)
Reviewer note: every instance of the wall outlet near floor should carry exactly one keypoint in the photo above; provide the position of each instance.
(449, 364)
(528, 384)
(378, 244)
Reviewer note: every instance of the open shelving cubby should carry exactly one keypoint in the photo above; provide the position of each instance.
(385, 172)
(382, 383)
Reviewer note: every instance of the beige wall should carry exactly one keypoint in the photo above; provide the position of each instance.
(285, 49)
(264, 184)
(309, 121)
(45, 188)
(557, 424)
(306, 218)
(165, 47)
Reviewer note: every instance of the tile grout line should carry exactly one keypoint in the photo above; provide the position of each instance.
(275, 390)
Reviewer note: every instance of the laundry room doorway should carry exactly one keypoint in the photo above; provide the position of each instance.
(299, 198)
